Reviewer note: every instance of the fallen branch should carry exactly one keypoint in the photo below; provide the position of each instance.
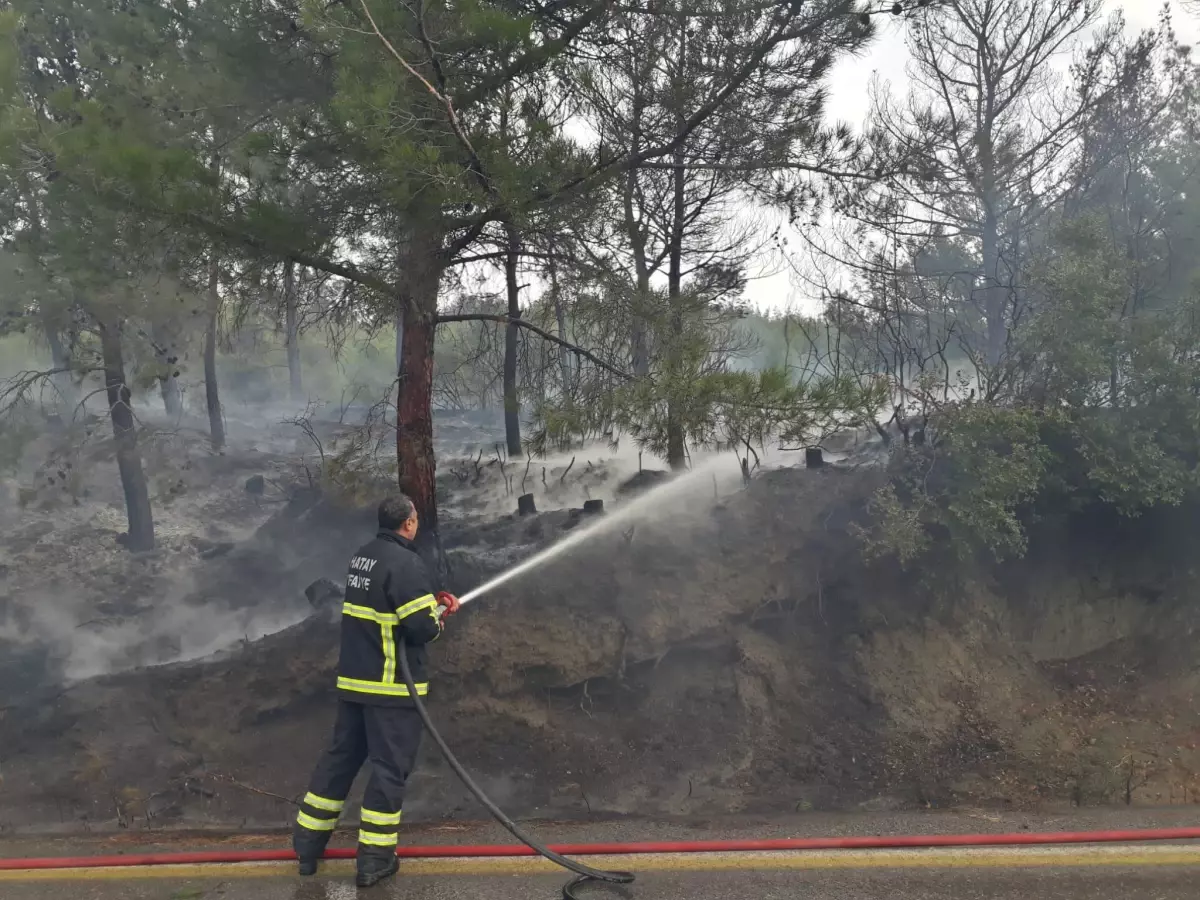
(229, 779)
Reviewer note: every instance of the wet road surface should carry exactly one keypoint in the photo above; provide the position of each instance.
(1166, 872)
(1129, 872)
(982, 884)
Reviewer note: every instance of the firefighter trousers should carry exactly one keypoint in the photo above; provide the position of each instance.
(389, 738)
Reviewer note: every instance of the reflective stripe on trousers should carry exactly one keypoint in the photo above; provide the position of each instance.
(376, 839)
(319, 813)
(375, 829)
(312, 823)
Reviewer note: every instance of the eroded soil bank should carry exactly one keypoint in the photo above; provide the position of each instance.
(732, 654)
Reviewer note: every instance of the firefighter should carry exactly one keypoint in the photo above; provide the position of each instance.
(389, 608)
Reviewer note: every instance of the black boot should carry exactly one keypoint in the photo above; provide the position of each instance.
(374, 865)
(310, 847)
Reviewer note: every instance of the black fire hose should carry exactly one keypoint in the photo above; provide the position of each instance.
(585, 873)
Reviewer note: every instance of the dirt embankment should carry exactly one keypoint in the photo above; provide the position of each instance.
(727, 656)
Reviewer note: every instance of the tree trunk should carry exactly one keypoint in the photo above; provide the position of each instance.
(635, 229)
(172, 397)
(995, 294)
(60, 358)
(167, 352)
(638, 330)
(414, 396)
(676, 442)
(212, 395)
(129, 459)
(512, 340)
(995, 298)
(399, 340)
(565, 362)
(295, 382)
(414, 417)
(401, 267)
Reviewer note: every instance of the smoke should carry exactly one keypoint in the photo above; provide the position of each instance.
(480, 488)
(74, 604)
(175, 632)
(667, 501)
(85, 633)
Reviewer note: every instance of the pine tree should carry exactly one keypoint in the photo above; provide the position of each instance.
(384, 119)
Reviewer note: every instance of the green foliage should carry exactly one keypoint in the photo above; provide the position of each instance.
(149, 151)
(716, 402)
(738, 409)
(969, 487)
(1125, 376)
(1105, 411)
(898, 527)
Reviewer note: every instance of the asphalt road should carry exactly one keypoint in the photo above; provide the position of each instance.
(982, 884)
(1152, 872)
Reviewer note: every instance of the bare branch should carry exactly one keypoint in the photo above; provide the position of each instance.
(475, 163)
(540, 332)
(527, 63)
(778, 33)
(230, 780)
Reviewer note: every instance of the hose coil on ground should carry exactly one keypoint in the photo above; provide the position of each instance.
(585, 873)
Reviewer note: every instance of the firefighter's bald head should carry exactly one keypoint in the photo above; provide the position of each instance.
(399, 514)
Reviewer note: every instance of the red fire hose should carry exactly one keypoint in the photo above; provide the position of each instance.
(627, 849)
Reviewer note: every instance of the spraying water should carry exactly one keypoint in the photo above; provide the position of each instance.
(650, 500)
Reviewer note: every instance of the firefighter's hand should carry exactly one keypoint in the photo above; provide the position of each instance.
(449, 601)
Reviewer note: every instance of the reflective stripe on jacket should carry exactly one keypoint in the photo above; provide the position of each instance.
(389, 608)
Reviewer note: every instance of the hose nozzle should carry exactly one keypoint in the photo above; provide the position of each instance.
(448, 604)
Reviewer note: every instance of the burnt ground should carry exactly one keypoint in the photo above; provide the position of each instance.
(730, 653)
(534, 674)
(231, 563)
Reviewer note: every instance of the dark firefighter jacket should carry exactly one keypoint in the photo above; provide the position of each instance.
(389, 605)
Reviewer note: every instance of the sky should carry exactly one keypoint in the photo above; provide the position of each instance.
(850, 81)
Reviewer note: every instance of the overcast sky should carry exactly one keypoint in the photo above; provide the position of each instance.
(849, 91)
